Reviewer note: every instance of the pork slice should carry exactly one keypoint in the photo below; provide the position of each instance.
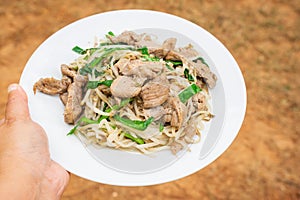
(169, 44)
(162, 51)
(151, 131)
(183, 53)
(76, 91)
(188, 52)
(173, 55)
(67, 71)
(155, 112)
(151, 45)
(143, 69)
(125, 87)
(199, 101)
(190, 131)
(158, 52)
(187, 55)
(64, 97)
(155, 92)
(176, 112)
(204, 72)
(126, 37)
(176, 147)
(51, 86)
(146, 41)
(122, 64)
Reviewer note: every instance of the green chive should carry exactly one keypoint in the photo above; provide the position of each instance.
(95, 84)
(135, 139)
(188, 92)
(79, 50)
(136, 124)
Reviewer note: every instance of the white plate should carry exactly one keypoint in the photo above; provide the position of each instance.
(228, 97)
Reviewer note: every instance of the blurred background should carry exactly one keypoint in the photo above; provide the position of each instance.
(263, 36)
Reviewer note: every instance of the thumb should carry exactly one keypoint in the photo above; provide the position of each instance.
(17, 104)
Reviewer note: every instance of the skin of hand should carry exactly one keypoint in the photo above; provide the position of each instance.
(26, 169)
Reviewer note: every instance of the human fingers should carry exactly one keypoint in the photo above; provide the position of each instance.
(56, 179)
(17, 104)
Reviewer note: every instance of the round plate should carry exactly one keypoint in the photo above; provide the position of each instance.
(228, 99)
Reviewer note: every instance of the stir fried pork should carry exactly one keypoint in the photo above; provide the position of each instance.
(146, 41)
(144, 69)
(175, 112)
(155, 92)
(64, 97)
(175, 147)
(188, 52)
(70, 93)
(52, 86)
(73, 108)
(174, 55)
(186, 55)
(199, 102)
(190, 131)
(204, 72)
(66, 70)
(142, 40)
(122, 64)
(167, 46)
(155, 112)
(127, 37)
(125, 87)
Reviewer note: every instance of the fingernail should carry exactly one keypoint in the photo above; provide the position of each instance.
(12, 87)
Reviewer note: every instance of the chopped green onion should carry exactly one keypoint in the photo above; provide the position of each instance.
(202, 60)
(169, 67)
(87, 69)
(149, 58)
(137, 140)
(72, 131)
(161, 127)
(123, 103)
(85, 120)
(144, 50)
(95, 84)
(102, 117)
(92, 50)
(175, 63)
(146, 55)
(188, 92)
(111, 33)
(79, 50)
(136, 124)
(188, 75)
(95, 62)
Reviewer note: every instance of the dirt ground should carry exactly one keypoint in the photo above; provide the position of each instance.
(263, 36)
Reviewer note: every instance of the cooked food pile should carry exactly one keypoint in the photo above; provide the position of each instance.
(131, 93)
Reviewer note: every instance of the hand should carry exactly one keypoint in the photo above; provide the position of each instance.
(26, 169)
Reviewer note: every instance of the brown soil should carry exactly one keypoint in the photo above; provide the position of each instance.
(263, 36)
